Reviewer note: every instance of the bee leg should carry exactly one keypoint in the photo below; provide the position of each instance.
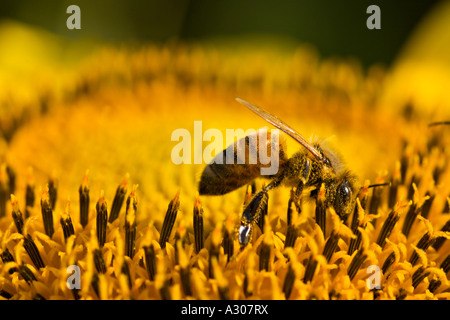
(295, 199)
(298, 194)
(252, 212)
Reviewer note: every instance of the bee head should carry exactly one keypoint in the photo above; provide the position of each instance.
(345, 196)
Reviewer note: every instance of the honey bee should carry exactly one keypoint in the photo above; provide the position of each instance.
(307, 170)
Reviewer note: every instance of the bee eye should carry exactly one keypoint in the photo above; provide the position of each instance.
(343, 199)
(245, 234)
(327, 162)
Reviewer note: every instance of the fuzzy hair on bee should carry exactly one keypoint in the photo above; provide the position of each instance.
(308, 169)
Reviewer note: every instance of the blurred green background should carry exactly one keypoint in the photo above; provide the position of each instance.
(332, 27)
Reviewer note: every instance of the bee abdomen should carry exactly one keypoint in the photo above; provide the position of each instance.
(218, 179)
(240, 163)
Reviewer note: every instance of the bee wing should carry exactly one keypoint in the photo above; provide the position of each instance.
(282, 126)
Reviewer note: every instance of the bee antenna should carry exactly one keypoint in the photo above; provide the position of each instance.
(379, 185)
(438, 123)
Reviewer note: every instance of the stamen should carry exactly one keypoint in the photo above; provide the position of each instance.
(388, 262)
(130, 223)
(26, 274)
(198, 226)
(126, 271)
(424, 243)
(356, 263)
(150, 261)
(311, 266)
(228, 239)
(180, 239)
(387, 228)
(401, 294)
(16, 214)
(33, 252)
(440, 240)
(250, 274)
(360, 206)
(47, 212)
(413, 187)
(6, 257)
(4, 190)
(426, 206)
(375, 202)
(434, 285)
(321, 209)
(162, 281)
(331, 245)
(11, 179)
(66, 224)
(5, 294)
(102, 219)
(445, 265)
(291, 236)
(185, 276)
(52, 191)
(413, 212)
(222, 283)
(290, 278)
(393, 189)
(214, 248)
(356, 242)
(99, 261)
(83, 192)
(292, 232)
(29, 194)
(418, 276)
(95, 284)
(119, 198)
(264, 256)
(169, 220)
(185, 271)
